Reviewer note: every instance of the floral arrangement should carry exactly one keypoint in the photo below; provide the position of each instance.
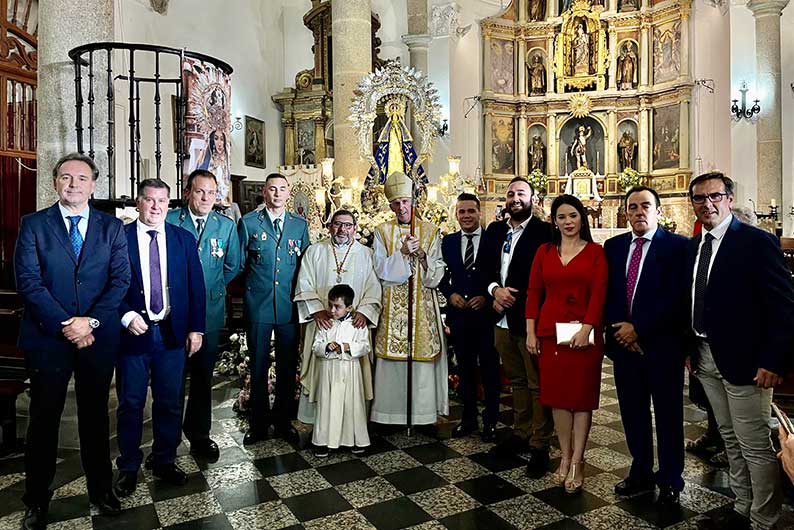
(234, 360)
(539, 182)
(628, 179)
(667, 223)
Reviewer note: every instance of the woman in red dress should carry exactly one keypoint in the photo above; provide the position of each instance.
(568, 283)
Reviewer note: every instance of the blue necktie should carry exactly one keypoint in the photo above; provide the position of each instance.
(155, 274)
(74, 234)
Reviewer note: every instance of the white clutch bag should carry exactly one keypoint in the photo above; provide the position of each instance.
(566, 331)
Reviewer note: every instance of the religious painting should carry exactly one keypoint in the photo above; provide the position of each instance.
(305, 131)
(502, 61)
(581, 146)
(625, 6)
(666, 153)
(207, 123)
(667, 52)
(301, 204)
(502, 145)
(254, 142)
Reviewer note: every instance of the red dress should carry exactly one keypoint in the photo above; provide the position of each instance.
(569, 379)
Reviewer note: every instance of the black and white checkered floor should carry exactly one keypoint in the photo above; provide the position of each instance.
(422, 482)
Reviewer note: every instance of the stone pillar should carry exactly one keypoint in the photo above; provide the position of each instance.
(552, 151)
(643, 165)
(683, 135)
(289, 141)
(611, 166)
(418, 46)
(684, 74)
(613, 58)
(522, 10)
(521, 67)
(319, 139)
(352, 49)
(645, 52)
(87, 21)
(769, 128)
(523, 144)
(550, 81)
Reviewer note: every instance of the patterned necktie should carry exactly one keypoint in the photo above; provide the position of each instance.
(468, 258)
(634, 271)
(199, 226)
(701, 279)
(74, 234)
(277, 227)
(155, 275)
(508, 242)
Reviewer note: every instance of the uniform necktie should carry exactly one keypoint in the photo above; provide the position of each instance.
(701, 278)
(634, 271)
(199, 226)
(74, 234)
(468, 258)
(155, 275)
(277, 227)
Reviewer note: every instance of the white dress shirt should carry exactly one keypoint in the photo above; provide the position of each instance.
(82, 225)
(648, 236)
(506, 259)
(464, 241)
(273, 218)
(143, 249)
(719, 234)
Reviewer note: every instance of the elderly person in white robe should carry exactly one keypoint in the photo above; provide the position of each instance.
(339, 259)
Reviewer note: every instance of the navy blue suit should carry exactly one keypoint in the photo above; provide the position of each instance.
(159, 352)
(471, 331)
(658, 315)
(56, 285)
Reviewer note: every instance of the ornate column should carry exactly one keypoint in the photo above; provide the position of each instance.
(522, 11)
(487, 81)
(523, 145)
(769, 128)
(289, 141)
(643, 165)
(550, 82)
(64, 25)
(612, 6)
(611, 167)
(645, 51)
(418, 46)
(352, 49)
(521, 67)
(319, 139)
(552, 151)
(487, 158)
(613, 58)
(683, 134)
(686, 11)
(552, 8)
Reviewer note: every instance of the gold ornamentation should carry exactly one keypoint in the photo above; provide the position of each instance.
(580, 105)
(581, 53)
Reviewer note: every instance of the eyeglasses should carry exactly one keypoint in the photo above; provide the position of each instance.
(713, 197)
(508, 241)
(342, 224)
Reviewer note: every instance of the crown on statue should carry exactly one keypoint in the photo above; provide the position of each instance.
(398, 186)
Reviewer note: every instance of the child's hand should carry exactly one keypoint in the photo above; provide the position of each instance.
(333, 346)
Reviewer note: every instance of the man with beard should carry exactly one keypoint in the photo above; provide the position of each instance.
(400, 257)
(511, 247)
(339, 259)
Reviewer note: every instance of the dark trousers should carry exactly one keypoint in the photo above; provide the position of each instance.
(164, 368)
(472, 338)
(49, 378)
(285, 407)
(640, 379)
(200, 366)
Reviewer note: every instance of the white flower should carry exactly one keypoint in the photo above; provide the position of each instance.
(234, 337)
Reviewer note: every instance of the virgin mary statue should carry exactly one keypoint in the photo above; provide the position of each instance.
(395, 148)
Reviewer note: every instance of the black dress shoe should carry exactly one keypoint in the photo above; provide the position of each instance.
(285, 431)
(511, 445)
(252, 437)
(668, 496)
(488, 434)
(35, 518)
(630, 487)
(538, 463)
(108, 503)
(170, 473)
(206, 448)
(463, 429)
(125, 484)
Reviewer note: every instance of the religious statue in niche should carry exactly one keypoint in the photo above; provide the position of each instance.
(503, 146)
(537, 10)
(581, 55)
(395, 149)
(580, 51)
(627, 5)
(627, 147)
(578, 149)
(537, 154)
(627, 67)
(537, 76)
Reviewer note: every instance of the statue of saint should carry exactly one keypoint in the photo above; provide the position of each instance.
(627, 68)
(537, 76)
(580, 45)
(578, 149)
(537, 10)
(537, 154)
(626, 147)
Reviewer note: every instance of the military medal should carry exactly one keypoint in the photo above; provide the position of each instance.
(264, 236)
(339, 266)
(217, 247)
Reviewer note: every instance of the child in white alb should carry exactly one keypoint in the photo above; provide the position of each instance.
(341, 406)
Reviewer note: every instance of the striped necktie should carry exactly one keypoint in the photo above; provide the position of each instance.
(468, 258)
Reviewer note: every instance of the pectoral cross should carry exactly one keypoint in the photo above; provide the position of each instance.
(339, 272)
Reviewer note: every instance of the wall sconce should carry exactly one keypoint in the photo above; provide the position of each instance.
(743, 112)
(443, 128)
(237, 125)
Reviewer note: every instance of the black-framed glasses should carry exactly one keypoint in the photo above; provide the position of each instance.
(713, 197)
(508, 242)
(342, 224)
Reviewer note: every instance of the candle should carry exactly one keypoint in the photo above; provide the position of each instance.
(773, 204)
(347, 196)
(319, 197)
(432, 193)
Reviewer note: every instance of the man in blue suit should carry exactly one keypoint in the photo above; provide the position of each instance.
(741, 303)
(164, 315)
(646, 340)
(471, 331)
(72, 272)
(273, 241)
(219, 251)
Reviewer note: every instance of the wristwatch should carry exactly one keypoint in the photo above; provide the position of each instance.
(94, 323)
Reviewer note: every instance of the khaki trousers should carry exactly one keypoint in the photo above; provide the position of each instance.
(531, 420)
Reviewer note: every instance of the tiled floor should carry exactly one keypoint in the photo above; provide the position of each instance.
(427, 481)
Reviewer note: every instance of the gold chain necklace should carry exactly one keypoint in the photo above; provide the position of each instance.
(339, 269)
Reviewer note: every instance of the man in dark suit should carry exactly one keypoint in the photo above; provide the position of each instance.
(646, 340)
(510, 249)
(742, 315)
(72, 271)
(164, 316)
(471, 332)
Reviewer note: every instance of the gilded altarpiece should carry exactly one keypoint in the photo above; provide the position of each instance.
(584, 91)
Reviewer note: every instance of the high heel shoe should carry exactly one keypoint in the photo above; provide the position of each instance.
(562, 472)
(575, 480)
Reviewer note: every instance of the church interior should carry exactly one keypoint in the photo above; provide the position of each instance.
(583, 97)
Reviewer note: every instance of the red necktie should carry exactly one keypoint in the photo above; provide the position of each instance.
(634, 271)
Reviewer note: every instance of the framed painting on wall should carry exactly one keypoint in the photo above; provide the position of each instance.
(254, 142)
